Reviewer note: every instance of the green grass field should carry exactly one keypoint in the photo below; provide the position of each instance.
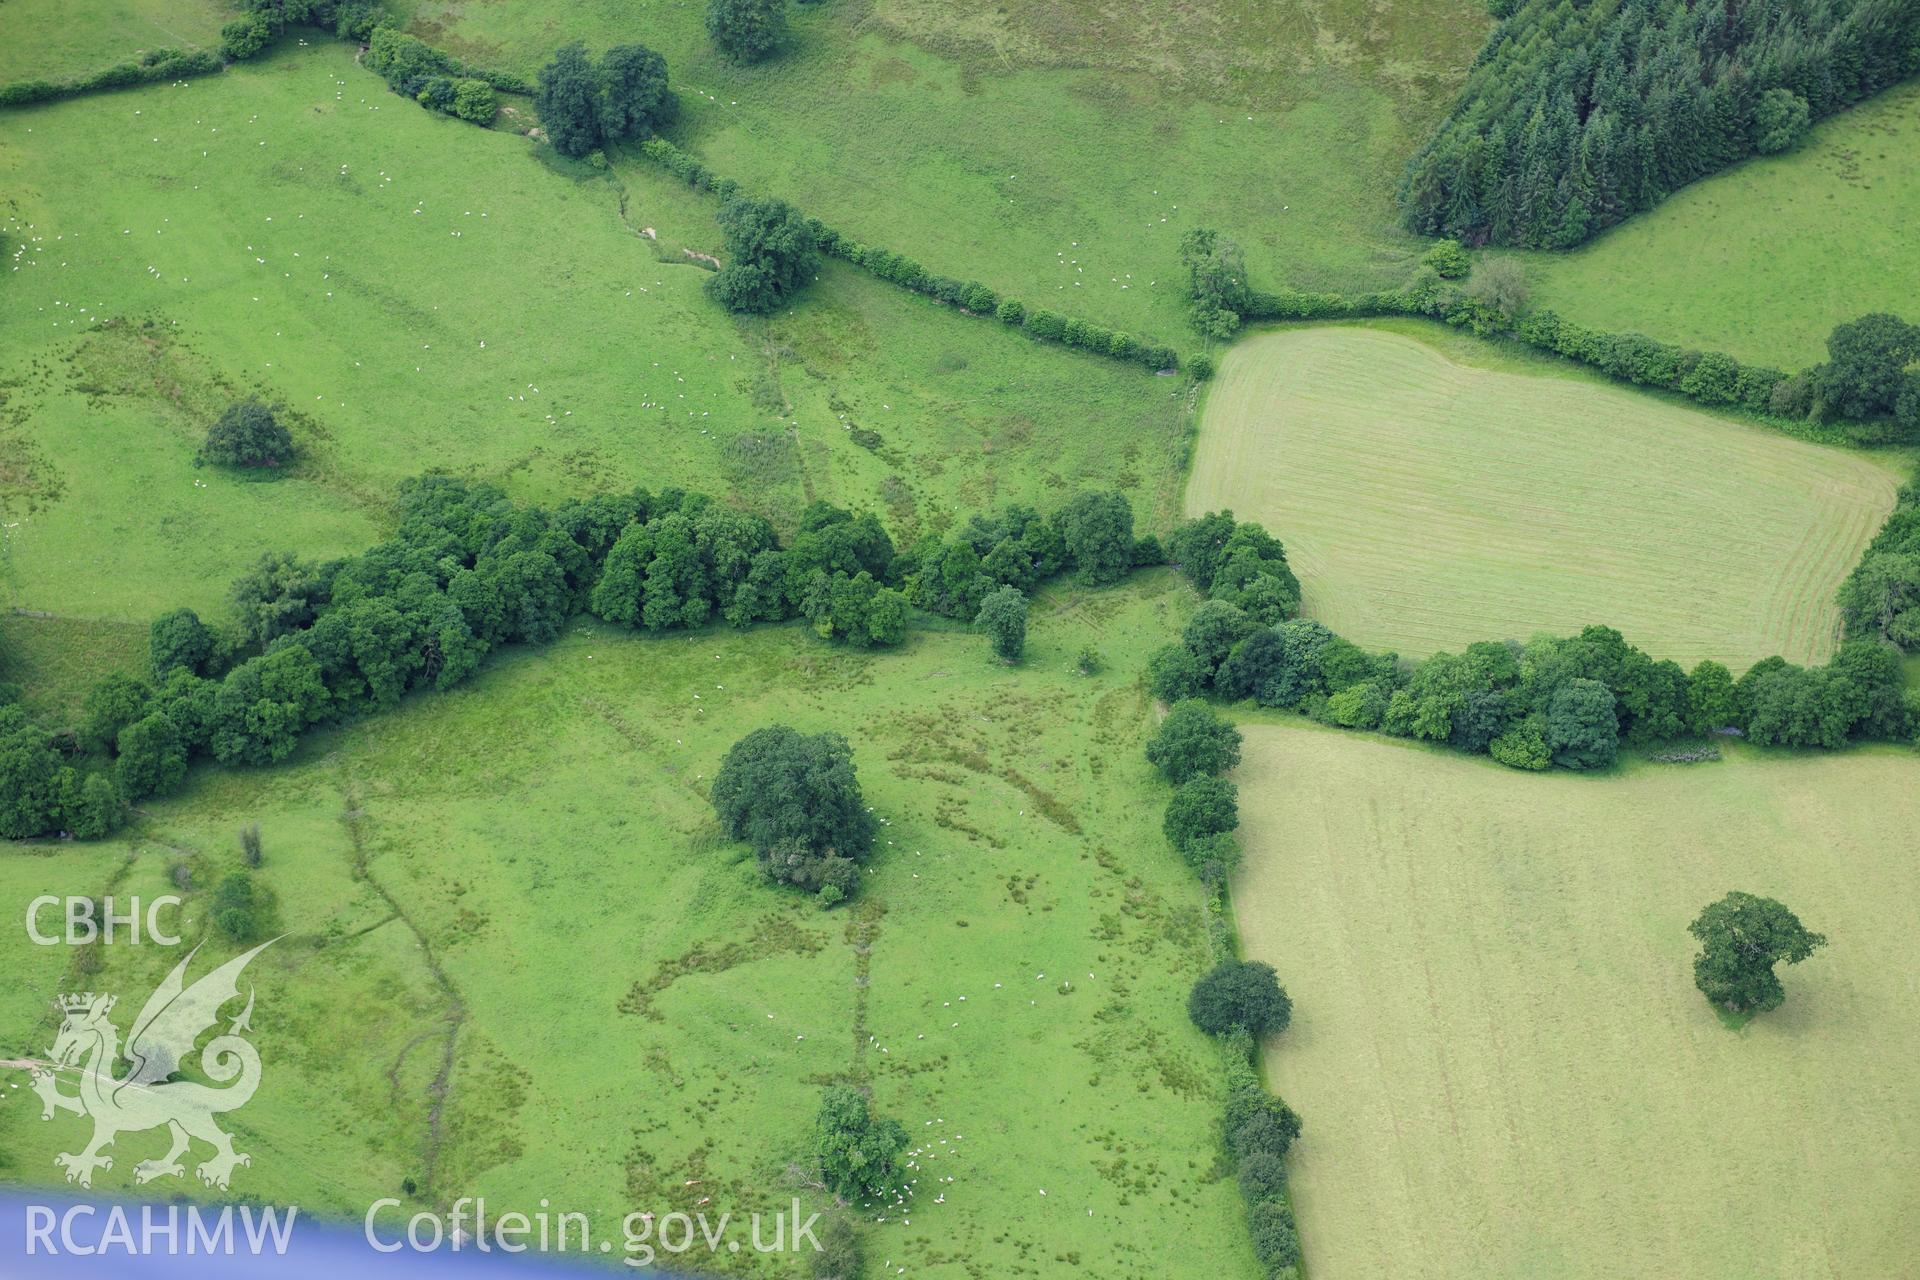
(1503, 1064)
(1056, 150)
(1011, 979)
(424, 294)
(1763, 260)
(1427, 503)
(56, 39)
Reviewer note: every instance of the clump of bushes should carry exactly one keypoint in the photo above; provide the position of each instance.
(585, 104)
(415, 69)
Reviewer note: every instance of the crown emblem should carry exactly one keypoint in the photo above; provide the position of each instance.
(81, 1001)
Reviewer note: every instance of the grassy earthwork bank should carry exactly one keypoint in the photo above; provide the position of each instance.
(1010, 981)
(1497, 1041)
(1430, 498)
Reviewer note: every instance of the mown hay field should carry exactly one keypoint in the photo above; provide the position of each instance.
(1427, 504)
(1503, 1064)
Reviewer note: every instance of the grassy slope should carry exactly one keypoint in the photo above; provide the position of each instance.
(1427, 504)
(395, 244)
(54, 39)
(1503, 1063)
(545, 830)
(1764, 260)
(1056, 150)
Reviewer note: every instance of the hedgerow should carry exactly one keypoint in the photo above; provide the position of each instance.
(1493, 302)
(1568, 702)
(969, 296)
(468, 571)
(154, 66)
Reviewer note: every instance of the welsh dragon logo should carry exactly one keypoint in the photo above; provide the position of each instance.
(174, 1017)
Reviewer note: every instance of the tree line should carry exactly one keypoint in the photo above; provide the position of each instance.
(468, 570)
(1567, 702)
(1237, 1000)
(1575, 117)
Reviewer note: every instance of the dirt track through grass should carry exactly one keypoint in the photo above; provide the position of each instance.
(1503, 1065)
(1427, 504)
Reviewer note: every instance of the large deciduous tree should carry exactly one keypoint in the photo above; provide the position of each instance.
(859, 1152)
(247, 435)
(771, 251)
(747, 30)
(1742, 937)
(1242, 994)
(1193, 742)
(1003, 617)
(1866, 366)
(796, 799)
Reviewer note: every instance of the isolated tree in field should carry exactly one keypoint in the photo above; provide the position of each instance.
(1583, 729)
(1003, 616)
(858, 1151)
(567, 100)
(1193, 742)
(1741, 938)
(247, 435)
(796, 799)
(747, 30)
(1242, 994)
(1866, 366)
(771, 251)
